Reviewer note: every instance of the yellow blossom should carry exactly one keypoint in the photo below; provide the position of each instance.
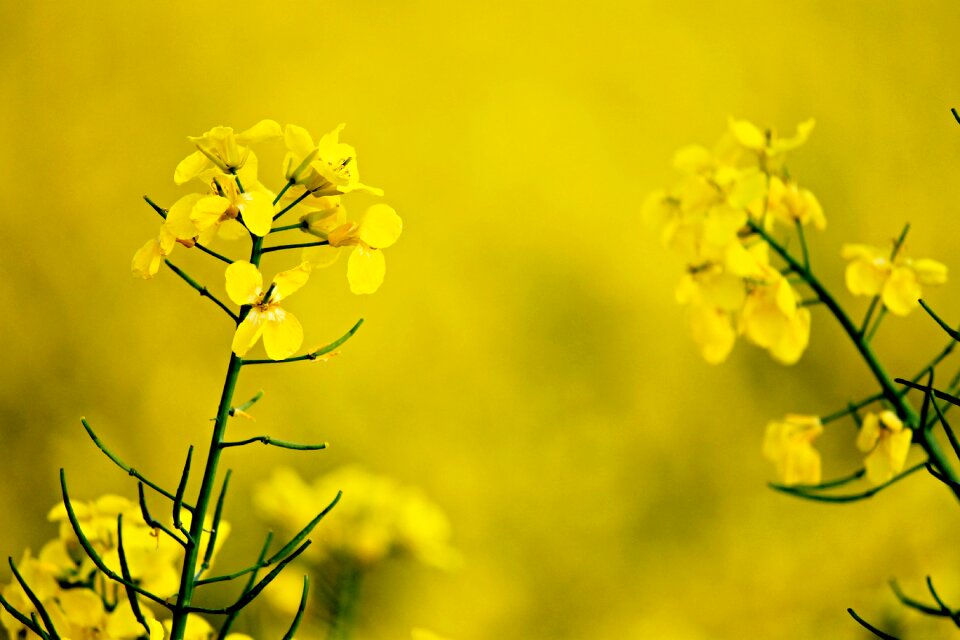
(220, 150)
(281, 331)
(897, 281)
(376, 518)
(325, 168)
(769, 147)
(886, 441)
(788, 443)
(222, 210)
(791, 204)
(773, 319)
(147, 259)
(379, 228)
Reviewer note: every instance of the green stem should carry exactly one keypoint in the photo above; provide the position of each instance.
(903, 408)
(288, 227)
(188, 576)
(346, 594)
(299, 245)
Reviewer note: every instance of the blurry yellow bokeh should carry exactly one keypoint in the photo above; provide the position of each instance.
(524, 362)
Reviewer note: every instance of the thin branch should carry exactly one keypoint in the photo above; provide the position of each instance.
(943, 605)
(303, 606)
(181, 489)
(215, 528)
(204, 292)
(919, 387)
(299, 245)
(91, 552)
(801, 493)
(303, 532)
(950, 331)
(907, 601)
(22, 619)
(869, 627)
(803, 244)
(160, 210)
(248, 597)
(951, 436)
(267, 440)
(292, 204)
(127, 468)
(315, 354)
(125, 572)
(155, 524)
(37, 604)
(211, 252)
(256, 567)
(249, 403)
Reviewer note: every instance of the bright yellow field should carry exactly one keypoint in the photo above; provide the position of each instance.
(524, 362)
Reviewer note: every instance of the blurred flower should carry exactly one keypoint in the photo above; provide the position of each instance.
(897, 281)
(788, 443)
(769, 147)
(790, 204)
(379, 228)
(376, 518)
(281, 331)
(146, 261)
(220, 150)
(886, 442)
(424, 634)
(773, 319)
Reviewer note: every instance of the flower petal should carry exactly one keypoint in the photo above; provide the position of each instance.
(178, 220)
(901, 291)
(930, 271)
(260, 132)
(248, 333)
(320, 257)
(365, 270)
(191, 167)
(146, 261)
(257, 210)
(282, 336)
(381, 226)
(244, 282)
(208, 210)
(289, 281)
(232, 230)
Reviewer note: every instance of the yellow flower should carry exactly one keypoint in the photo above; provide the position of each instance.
(376, 518)
(898, 282)
(147, 259)
(769, 147)
(886, 441)
(281, 331)
(221, 211)
(220, 150)
(326, 168)
(788, 443)
(380, 228)
(773, 319)
(790, 204)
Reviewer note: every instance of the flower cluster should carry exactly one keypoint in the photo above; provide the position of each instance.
(376, 519)
(231, 203)
(895, 278)
(80, 600)
(711, 217)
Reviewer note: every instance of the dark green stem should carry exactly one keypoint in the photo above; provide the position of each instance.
(344, 601)
(903, 409)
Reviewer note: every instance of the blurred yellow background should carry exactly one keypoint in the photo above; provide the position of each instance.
(524, 362)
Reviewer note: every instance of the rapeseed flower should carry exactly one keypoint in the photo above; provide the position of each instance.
(898, 280)
(328, 167)
(886, 441)
(788, 443)
(281, 331)
(220, 150)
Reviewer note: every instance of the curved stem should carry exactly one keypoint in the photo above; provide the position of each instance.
(903, 408)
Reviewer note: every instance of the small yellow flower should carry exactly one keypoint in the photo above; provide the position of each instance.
(380, 228)
(222, 210)
(898, 282)
(790, 204)
(326, 168)
(788, 443)
(772, 318)
(220, 150)
(281, 331)
(147, 259)
(767, 144)
(886, 441)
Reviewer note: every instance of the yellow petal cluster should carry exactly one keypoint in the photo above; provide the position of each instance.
(788, 443)
(281, 331)
(233, 204)
(64, 578)
(730, 289)
(886, 442)
(376, 518)
(897, 279)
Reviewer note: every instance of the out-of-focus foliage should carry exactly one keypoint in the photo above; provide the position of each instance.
(519, 362)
